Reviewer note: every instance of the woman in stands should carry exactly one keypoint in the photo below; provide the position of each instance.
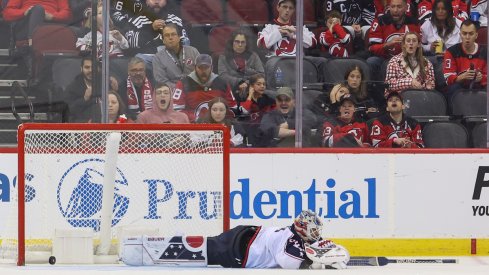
(442, 30)
(117, 42)
(257, 103)
(219, 114)
(117, 108)
(409, 69)
(239, 62)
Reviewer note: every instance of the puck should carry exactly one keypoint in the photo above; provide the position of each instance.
(52, 260)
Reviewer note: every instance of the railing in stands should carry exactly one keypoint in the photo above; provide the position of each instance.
(18, 89)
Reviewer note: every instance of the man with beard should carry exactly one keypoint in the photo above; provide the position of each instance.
(83, 102)
(394, 129)
(141, 21)
(174, 60)
(386, 34)
(193, 93)
(139, 91)
(277, 127)
(162, 111)
(345, 131)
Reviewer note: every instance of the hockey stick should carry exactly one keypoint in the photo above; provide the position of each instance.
(380, 261)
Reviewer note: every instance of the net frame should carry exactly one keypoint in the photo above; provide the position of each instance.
(21, 257)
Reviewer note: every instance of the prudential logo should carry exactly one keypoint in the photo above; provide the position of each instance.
(79, 194)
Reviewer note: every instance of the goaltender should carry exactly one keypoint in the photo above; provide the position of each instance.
(299, 246)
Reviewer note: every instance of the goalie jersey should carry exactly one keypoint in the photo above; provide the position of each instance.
(275, 248)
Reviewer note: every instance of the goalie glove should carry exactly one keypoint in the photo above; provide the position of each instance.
(327, 253)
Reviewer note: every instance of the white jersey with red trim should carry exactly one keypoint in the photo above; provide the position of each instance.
(275, 247)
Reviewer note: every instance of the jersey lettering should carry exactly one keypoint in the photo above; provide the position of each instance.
(448, 63)
(177, 94)
(375, 26)
(118, 5)
(375, 130)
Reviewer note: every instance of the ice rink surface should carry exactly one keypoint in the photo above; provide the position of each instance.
(474, 265)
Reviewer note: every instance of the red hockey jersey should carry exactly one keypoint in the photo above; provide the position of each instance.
(384, 130)
(192, 98)
(337, 133)
(383, 30)
(457, 61)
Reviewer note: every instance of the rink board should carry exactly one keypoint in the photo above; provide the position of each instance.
(391, 204)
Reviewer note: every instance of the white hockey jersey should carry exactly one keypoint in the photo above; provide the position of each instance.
(276, 247)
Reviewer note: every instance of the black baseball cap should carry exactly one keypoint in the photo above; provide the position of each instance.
(391, 94)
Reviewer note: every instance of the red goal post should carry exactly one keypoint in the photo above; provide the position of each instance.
(165, 177)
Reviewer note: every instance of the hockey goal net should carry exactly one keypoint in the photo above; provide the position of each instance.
(171, 177)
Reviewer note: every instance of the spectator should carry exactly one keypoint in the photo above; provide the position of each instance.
(465, 62)
(257, 103)
(394, 129)
(480, 6)
(409, 69)
(442, 30)
(81, 11)
(357, 87)
(356, 15)
(386, 34)
(194, 91)
(141, 23)
(173, 61)
(239, 62)
(336, 37)
(138, 90)
(345, 130)
(219, 114)
(279, 38)
(459, 9)
(26, 16)
(117, 108)
(117, 42)
(83, 102)
(277, 128)
(162, 111)
(382, 7)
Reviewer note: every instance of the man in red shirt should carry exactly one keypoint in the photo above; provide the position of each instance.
(193, 93)
(465, 64)
(28, 14)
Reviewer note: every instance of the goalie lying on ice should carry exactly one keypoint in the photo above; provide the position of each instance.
(297, 246)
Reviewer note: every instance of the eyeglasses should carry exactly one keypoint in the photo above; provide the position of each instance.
(168, 35)
(239, 42)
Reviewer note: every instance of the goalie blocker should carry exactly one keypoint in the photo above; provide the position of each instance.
(297, 246)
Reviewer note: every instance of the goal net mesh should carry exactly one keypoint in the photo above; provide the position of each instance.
(170, 180)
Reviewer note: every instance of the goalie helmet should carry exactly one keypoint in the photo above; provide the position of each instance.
(308, 225)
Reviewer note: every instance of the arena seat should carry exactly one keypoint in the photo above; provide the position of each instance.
(425, 105)
(64, 71)
(50, 41)
(287, 66)
(470, 105)
(336, 68)
(202, 12)
(482, 36)
(250, 12)
(445, 134)
(479, 135)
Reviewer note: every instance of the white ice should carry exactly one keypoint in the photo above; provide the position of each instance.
(474, 265)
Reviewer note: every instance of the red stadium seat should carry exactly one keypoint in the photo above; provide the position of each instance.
(202, 12)
(482, 36)
(218, 36)
(251, 12)
(54, 40)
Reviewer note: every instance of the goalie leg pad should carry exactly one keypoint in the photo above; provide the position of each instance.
(176, 250)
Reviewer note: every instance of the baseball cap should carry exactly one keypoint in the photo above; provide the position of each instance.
(203, 59)
(286, 91)
(391, 94)
(347, 97)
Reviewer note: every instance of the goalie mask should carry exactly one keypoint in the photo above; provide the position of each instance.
(308, 226)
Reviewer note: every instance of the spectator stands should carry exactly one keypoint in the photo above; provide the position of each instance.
(209, 24)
